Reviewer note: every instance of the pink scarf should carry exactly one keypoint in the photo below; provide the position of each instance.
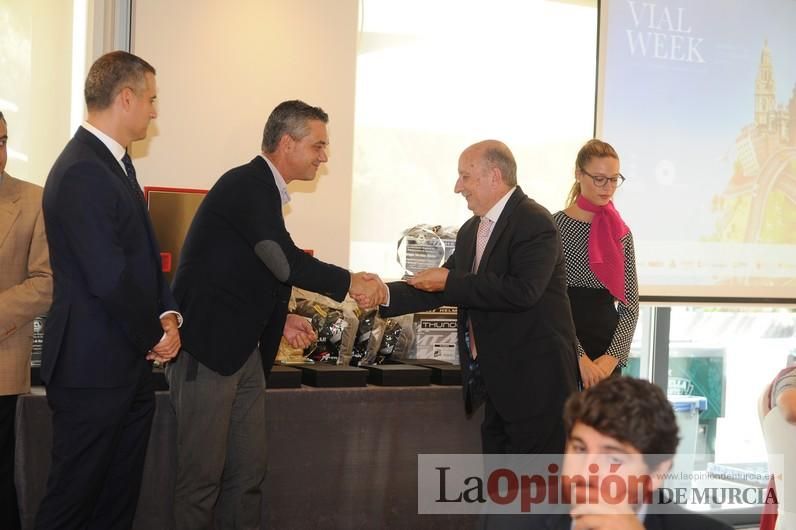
(606, 254)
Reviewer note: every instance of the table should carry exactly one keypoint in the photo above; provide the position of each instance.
(337, 458)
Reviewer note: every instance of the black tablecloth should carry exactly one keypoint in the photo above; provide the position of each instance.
(337, 458)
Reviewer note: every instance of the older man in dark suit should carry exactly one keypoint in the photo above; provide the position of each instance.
(516, 336)
(112, 309)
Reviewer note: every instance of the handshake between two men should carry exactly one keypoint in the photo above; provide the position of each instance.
(368, 290)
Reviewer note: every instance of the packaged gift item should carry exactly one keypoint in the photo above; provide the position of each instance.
(335, 324)
(329, 325)
(389, 340)
(359, 350)
(435, 335)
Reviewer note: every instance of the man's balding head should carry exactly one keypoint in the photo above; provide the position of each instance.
(487, 171)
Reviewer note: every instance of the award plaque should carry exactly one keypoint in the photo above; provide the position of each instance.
(421, 247)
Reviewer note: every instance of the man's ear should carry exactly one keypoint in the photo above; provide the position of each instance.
(125, 97)
(495, 176)
(658, 474)
(285, 143)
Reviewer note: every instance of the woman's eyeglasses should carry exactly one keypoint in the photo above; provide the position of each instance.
(599, 181)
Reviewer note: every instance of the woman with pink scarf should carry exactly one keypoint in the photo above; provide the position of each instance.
(600, 263)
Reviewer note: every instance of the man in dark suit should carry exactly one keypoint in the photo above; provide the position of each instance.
(112, 309)
(233, 284)
(624, 428)
(516, 337)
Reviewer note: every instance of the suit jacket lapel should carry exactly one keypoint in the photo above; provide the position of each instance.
(263, 171)
(9, 206)
(500, 226)
(104, 154)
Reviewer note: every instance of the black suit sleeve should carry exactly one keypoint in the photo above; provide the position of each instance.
(167, 302)
(314, 275)
(259, 222)
(406, 299)
(92, 232)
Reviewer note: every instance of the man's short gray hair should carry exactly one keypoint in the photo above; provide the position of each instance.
(500, 156)
(290, 117)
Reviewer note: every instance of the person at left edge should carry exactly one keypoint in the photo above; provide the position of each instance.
(25, 292)
(112, 308)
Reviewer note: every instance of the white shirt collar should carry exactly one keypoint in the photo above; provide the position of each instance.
(497, 209)
(116, 149)
(281, 185)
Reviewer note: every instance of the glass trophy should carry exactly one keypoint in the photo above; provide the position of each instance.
(420, 248)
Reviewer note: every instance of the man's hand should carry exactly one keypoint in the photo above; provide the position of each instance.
(431, 280)
(169, 344)
(367, 289)
(605, 517)
(298, 331)
(590, 372)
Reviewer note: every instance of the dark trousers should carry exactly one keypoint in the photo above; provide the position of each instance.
(9, 509)
(543, 434)
(221, 458)
(100, 436)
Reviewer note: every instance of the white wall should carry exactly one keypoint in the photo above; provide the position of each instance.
(221, 67)
(36, 51)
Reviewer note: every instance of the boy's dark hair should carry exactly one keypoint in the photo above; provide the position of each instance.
(630, 410)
